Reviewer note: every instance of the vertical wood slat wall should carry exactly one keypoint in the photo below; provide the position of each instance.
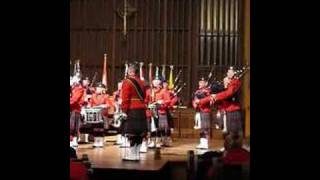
(161, 32)
(220, 36)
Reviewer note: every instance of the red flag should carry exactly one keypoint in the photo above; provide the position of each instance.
(104, 74)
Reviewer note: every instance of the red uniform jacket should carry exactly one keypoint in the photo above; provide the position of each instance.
(237, 156)
(233, 88)
(97, 100)
(229, 106)
(78, 171)
(203, 106)
(130, 98)
(159, 94)
(101, 99)
(76, 99)
(173, 99)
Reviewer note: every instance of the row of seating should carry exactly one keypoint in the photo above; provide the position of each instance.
(79, 168)
(233, 163)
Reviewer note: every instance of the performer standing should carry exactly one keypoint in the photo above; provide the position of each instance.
(173, 101)
(230, 98)
(158, 101)
(76, 100)
(152, 113)
(204, 110)
(230, 102)
(84, 136)
(100, 100)
(134, 108)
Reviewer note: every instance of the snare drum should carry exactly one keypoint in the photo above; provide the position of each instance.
(92, 115)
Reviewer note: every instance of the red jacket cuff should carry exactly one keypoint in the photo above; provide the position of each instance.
(205, 100)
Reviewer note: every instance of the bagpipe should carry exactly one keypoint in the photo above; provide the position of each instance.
(174, 85)
(94, 78)
(179, 89)
(214, 85)
(240, 73)
(218, 86)
(200, 94)
(178, 84)
(211, 77)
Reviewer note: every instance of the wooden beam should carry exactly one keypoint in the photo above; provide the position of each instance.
(135, 47)
(191, 72)
(195, 42)
(113, 55)
(153, 25)
(147, 26)
(171, 32)
(165, 26)
(246, 60)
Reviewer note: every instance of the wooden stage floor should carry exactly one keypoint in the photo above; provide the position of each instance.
(109, 157)
(107, 162)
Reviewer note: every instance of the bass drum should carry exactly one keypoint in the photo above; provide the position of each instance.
(92, 115)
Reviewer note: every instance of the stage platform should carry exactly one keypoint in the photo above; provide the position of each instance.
(107, 161)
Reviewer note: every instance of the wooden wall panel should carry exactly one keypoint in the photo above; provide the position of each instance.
(190, 34)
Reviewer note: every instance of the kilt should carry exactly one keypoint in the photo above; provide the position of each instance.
(75, 122)
(170, 119)
(234, 123)
(121, 128)
(163, 122)
(136, 122)
(149, 124)
(205, 120)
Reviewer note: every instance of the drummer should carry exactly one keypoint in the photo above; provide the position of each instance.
(100, 100)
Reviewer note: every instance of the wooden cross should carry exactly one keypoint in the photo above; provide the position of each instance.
(127, 11)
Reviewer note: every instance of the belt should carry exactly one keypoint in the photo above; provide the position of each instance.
(135, 99)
